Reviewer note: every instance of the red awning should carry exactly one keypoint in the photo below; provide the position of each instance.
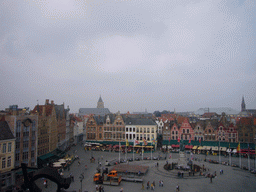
(175, 146)
(188, 146)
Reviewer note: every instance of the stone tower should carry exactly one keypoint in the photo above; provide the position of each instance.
(100, 103)
(243, 107)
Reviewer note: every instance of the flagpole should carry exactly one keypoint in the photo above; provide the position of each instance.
(248, 158)
(133, 149)
(119, 151)
(151, 150)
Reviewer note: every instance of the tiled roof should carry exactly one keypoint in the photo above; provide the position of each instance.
(5, 131)
(138, 121)
(39, 109)
(95, 111)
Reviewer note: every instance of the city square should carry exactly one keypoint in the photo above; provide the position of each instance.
(232, 179)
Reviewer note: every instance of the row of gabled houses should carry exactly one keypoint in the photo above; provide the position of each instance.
(117, 127)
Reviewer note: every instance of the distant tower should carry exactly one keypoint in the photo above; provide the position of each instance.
(243, 107)
(100, 103)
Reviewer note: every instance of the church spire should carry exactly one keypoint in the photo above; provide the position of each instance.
(243, 106)
(100, 103)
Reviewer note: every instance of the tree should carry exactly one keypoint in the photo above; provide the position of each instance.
(157, 113)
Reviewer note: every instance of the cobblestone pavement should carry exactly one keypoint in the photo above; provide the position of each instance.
(233, 179)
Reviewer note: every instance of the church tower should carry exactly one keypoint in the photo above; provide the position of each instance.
(243, 107)
(100, 103)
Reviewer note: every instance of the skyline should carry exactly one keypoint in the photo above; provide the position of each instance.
(162, 55)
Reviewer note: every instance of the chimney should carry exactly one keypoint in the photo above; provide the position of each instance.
(43, 113)
(52, 102)
(47, 102)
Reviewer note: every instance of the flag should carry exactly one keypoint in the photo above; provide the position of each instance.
(144, 141)
(189, 140)
(135, 142)
(178, 139)
(127, 143)
(169, 139)
(238, 147)
(248, 149)
(199, 139)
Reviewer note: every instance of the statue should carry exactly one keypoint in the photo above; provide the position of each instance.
(182, 146)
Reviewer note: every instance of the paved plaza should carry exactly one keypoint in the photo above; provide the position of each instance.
(233, 179)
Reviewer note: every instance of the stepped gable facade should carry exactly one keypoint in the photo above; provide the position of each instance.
(47, 127)
(186, 132)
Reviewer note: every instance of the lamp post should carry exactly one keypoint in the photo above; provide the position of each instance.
(254, 151)
(81, 180)
(219, 151)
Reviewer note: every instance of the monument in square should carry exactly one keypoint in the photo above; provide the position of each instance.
(182, 159)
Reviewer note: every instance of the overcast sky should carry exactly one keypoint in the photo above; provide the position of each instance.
(137, 54)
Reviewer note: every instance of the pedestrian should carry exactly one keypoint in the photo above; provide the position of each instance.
(162, 183)
(100, 188)
(211, 178)
(177, 188)
(159, 183)
(220, 171)
(142, 187)
(121, 190)
(148, 185)
(100, 164)
(215, 173)
(152, 186)
(154, 183)
(157, 164)
(45, 183)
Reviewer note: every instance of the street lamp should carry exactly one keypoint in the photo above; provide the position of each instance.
(254, 151)
(81, 180)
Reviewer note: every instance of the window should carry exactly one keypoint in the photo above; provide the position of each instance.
(4, 148)
(25, 155)
(17, 157)
(172, 132)
(9, 147)
(34, 124)
(100, 136)
(183, 130)
(147, 130)
(133, 129)
(127, 129)
(25, 144)
(18, 129)
(153, 130)
(130, 129)
(144, 130)
(176, 132)
(9, 161)
(187, 130)
(3, 163)
(209, 130)
(114, 129)
(32, 154)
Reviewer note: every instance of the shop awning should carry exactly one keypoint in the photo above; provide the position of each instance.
(175, 146)
(188, 146)
(200, 148)
(229, 150)
(215, 148)
(208, 147)
(223, 149)
(195, 147)
(234, 151)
